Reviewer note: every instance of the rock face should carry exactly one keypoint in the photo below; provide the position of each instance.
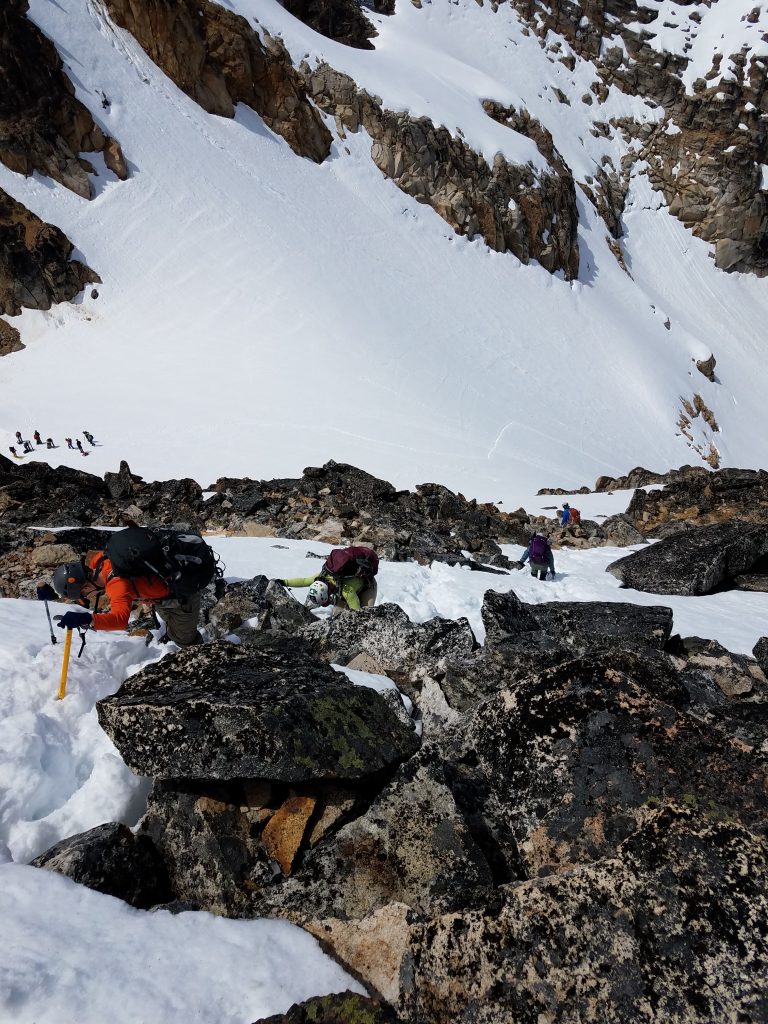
(43, 127)
(338, 1008)
(10, 339)
(265, 710)
(706, 153)
(35, 266)
(110, 859)
(514, 209)
(656, 932)
(215, 57)
(694, 562)
(340, 20)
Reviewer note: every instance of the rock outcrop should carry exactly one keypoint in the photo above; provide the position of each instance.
(340, 20)
(36, 269)
(512, 207)
(338, 1008)
(43, 127)
(705, 155)
(585, 813)
(10, 339)
(112, 860)
(217, 58)
(696, 561)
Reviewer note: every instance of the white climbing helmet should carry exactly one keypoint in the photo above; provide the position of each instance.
(318, 595)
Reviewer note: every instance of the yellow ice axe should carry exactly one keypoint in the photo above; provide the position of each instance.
(65, 666)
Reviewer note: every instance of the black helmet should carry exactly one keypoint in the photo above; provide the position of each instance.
(68, 580)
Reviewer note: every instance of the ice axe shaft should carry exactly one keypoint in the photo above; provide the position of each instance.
(65, 666)
(50, 624)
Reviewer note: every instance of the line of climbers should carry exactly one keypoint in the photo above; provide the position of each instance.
(48, 443)
(168, 571)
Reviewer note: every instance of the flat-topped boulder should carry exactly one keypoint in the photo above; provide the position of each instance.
(696, 561)
(268, 709)
(579, 624)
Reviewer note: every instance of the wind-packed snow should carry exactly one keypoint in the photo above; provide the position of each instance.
(260, 313)
(60, 775)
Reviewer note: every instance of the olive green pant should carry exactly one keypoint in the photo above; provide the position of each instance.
(367, 598)
(181, 618)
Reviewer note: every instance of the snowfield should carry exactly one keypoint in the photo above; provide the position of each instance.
(259, 313)
(60, 774)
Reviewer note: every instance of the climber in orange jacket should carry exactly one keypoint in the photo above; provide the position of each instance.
(85, 581)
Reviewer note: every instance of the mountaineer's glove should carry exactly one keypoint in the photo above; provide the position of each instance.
(74, 620)
(47, 593)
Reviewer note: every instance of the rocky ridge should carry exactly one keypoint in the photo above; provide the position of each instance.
(43, 126)
(596, 805)
(340, 504)
(706, 153)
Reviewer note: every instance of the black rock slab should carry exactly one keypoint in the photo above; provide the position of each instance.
(112, 860)
(694, 562)
(266, 710)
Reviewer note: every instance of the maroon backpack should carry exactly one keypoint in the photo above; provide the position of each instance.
(355, 561)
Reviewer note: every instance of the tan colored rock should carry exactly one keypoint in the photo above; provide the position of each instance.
(284, 832)
(367, 663)
(53, 554)
(10, 339)
(114, 159)
(253, 529)
(336, 802)
(376, 948)
(217, 58)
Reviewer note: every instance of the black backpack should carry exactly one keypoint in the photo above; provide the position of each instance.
(183, 560)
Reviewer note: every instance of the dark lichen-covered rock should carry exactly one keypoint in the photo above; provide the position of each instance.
(261, 600)
(338, 1008)
(413, 845)
(575, 756)
(673, 928)
(694, 562)
(265, 710)
(576, 624)
(208, 836)
(112, 860)
(760, 651)
(388, 636)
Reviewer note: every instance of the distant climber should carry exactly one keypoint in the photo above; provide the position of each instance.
(19, 438)
(565, 514)
(346, 581)
(79, 444)
(89, 437)
(49, 443)
(69, 442)
(541, 558)
(27, 447)
(12, 450)
(187, 565)
(37, 438)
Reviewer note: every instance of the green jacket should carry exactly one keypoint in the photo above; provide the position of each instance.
(350, 587)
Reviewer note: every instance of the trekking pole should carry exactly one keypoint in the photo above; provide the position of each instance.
(50, 624)
(65, 666)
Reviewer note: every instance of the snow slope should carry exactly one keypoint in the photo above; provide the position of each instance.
(260, 313)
